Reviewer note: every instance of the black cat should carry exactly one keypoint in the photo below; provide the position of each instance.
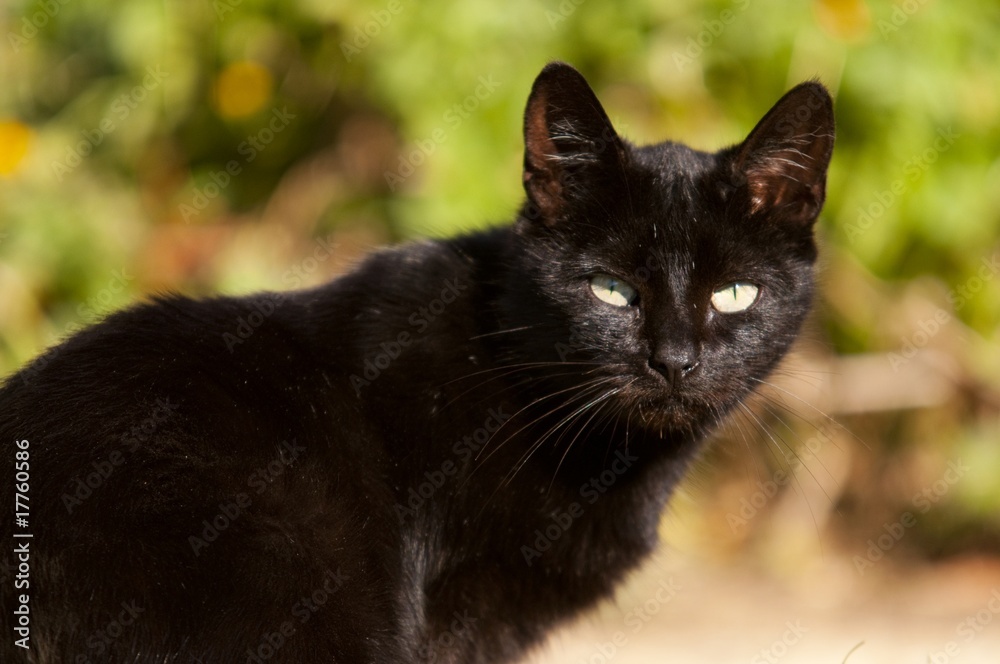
(437, 457)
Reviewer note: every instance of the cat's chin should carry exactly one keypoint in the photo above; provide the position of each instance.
(686, 412)
(671, 415)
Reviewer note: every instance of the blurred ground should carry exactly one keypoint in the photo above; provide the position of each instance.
(735, 614)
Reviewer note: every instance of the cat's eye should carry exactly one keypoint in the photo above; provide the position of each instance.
(613, 291)
(735, 297)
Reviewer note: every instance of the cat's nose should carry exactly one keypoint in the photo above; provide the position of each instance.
(675, 362)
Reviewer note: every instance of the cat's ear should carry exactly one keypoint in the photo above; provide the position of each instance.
(569, 142)
(783, 161)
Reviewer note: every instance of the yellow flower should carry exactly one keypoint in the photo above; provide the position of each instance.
(242, 88)
(15, 141)
(846, 19)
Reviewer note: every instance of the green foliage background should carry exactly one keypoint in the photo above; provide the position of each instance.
(91, 220)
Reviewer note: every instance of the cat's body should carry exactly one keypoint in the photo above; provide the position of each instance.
(434, 458)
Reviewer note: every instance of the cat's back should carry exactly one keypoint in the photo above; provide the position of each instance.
(262, 345)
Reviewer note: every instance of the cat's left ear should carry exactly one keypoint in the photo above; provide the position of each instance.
(570, 148)
(783, 161)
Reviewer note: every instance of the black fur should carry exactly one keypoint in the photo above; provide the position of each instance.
(437, 457)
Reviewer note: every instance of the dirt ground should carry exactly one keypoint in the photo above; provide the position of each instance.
(680, 610)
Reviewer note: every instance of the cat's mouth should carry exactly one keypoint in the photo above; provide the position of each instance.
(678, 401)
(675, 414)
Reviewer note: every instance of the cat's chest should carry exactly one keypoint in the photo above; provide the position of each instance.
(512, 576)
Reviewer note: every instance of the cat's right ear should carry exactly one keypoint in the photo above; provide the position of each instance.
(569, 142)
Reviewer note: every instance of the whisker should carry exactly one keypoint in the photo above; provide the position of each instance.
(504, 389)
(594, 414)
(588, 384)
(738, 420)
(819, 412)
(797, 487)
(586, 391)
(767, 407)
(520, 365)
(541, 441)
(515, 329)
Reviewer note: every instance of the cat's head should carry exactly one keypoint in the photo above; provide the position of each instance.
(666, 281)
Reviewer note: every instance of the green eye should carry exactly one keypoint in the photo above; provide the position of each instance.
(734, 297)
(613, 291)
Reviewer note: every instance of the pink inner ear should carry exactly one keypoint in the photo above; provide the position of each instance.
(536, 135)
(770, 186)
(541, 177)
(786, 179)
